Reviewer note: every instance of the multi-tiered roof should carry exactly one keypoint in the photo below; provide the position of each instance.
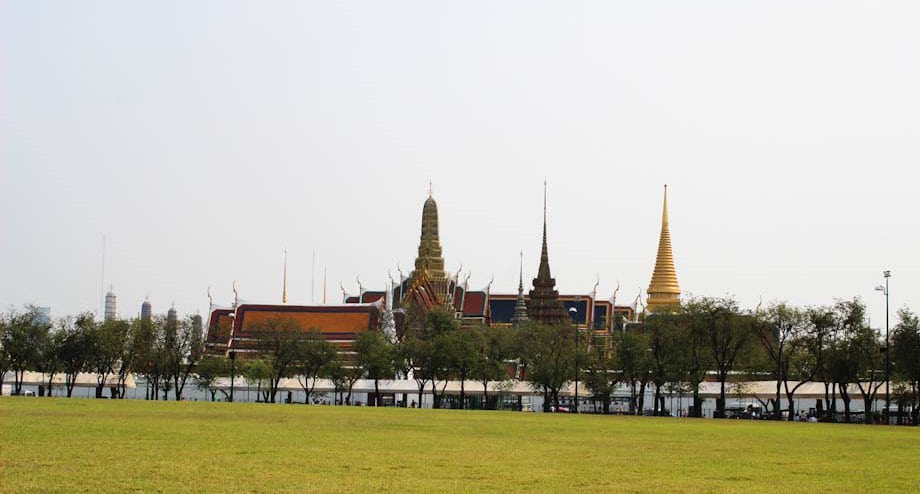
(429, 285)
(544, 304)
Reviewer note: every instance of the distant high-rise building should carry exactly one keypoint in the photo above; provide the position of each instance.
(110, 305)
(172, 317)
(197, 327)
(146, 310)
(44, 315)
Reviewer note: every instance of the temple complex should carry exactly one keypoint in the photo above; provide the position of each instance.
(663, 291)
(428, 287)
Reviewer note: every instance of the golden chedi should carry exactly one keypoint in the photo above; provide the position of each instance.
(663, 290)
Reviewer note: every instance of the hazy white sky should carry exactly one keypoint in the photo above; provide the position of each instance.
(201, 138)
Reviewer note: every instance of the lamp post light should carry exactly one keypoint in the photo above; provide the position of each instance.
(232, 372)
(884, 290)
(573, 312)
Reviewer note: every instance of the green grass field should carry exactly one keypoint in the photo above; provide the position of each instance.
(80, 445)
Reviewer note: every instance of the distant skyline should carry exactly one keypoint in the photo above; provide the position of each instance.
(203, 139)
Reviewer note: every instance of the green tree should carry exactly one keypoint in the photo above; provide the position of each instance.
(632, 353)
(376, 356)
(208, 371)
(419, 356)
(780, 327)
(842, 358)
(905, 359)
(696, 358)
(4, 352)
(280, 341)
(76, 347)
(729, 333)
(184, 347)
(314, 356)
(462, 351)
(601, 370)
(665, 353)
(257, 371)
(548, 354)
(494, 347)
(108, 344)
(49, 356)
(22, 338)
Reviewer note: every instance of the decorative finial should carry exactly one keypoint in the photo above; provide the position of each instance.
(284, 280)
(236, 295)
(430, 195)
(210, 300)
(544, 205)
(521, 273)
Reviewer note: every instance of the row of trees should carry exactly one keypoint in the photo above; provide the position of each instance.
(708, 339)
(163, 350)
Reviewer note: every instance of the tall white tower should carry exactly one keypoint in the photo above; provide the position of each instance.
(110, 305)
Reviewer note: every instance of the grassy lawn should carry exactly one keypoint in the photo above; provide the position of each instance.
(81, 445)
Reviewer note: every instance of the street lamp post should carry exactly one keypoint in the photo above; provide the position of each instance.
(884, 289)
(232, 372)
(574, 313)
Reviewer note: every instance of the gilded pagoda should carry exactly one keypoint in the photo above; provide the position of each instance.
(663, 290)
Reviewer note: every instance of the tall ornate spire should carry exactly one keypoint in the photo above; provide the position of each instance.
(663, 290)
(520, 307)
(544, 304)
(429, 265)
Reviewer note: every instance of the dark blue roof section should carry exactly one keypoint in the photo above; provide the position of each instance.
(502, 310)
(581, 306)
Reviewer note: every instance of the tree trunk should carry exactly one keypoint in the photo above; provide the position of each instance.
(867, 404)
(720, 404)
(376, 393)
(462, 391)
(697, 402)
(658, 410)
(641, 405)
(846, 406)
(485, 394)
(777, 413)
(790, 405)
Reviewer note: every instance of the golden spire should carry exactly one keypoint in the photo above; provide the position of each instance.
(429, 265)
(663, 290)
(284, 282)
